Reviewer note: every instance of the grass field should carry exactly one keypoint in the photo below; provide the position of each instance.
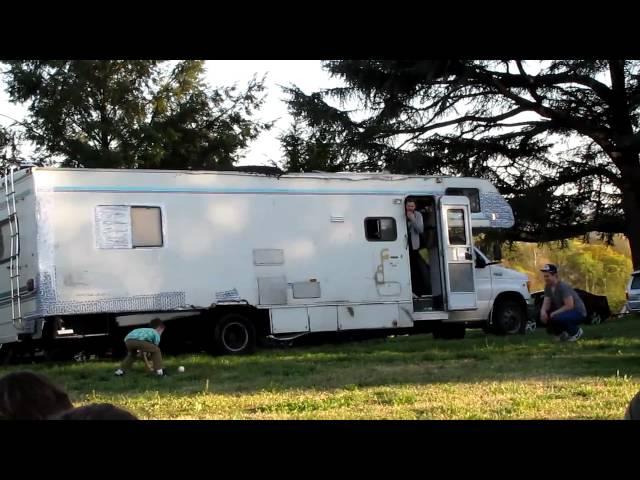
(406, 377)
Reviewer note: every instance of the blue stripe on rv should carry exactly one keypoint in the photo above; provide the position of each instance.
(112, 189)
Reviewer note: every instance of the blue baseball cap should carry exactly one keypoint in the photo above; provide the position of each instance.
(549, 268)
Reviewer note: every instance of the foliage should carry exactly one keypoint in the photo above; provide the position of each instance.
(133, 113)
(559, 138)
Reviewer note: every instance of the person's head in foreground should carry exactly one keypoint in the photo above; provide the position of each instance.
(30, 396)
(97, 411)
(633, 410)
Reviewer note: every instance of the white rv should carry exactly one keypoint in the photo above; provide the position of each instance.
(88, 252)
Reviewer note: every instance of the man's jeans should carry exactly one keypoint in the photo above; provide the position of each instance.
(566, 322)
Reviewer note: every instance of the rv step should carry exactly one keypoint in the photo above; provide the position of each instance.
(76, 336)
(425, 316)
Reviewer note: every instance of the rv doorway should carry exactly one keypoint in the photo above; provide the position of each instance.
(424, 257)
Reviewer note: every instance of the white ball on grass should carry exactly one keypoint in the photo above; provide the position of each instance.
(181, 369)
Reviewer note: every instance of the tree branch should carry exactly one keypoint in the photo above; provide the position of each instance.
(456, 121)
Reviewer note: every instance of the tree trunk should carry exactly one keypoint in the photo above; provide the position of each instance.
(631, 205)
(626, 159)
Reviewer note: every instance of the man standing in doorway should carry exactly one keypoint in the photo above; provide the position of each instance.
(420, 273)
(562, 310)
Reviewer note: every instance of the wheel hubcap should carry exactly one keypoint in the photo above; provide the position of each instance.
(510, 320)
(235, 336)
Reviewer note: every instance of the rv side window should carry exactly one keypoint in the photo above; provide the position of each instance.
(455, 225)
(146, 227)
(471, 193)
(5, 241)
(380, 229)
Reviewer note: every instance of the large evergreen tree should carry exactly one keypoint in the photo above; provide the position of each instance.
(133, 113)
(559, 138)
(307, 150)
(9, 147)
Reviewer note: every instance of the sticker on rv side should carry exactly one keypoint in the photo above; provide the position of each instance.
(113, 226)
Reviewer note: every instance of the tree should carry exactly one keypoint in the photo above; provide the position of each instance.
(559, 138)
(133, 114)
(9, 147)
(308, 150)
(596, 267)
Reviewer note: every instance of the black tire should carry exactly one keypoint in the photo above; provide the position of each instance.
(509, 317)
(595, 318)
(449, 331)
(234, 334)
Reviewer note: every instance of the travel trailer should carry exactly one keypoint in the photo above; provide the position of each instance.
(90, 253)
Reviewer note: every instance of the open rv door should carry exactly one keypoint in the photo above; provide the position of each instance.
(458, 253)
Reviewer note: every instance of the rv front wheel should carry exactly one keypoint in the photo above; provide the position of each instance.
(235, 335)
(508, 317)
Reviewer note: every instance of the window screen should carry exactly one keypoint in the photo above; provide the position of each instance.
(471, 193)
(380, 229)
(146, 227)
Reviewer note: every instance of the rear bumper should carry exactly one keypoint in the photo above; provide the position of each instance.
(634, 306)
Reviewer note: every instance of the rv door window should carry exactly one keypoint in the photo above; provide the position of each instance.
(5, 241)
(471, 193)
(455, 224)
(380, 229)
(146, 227)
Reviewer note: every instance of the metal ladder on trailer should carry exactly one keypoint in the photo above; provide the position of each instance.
(14, 259)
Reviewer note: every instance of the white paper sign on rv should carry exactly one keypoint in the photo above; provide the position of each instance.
(88, 252)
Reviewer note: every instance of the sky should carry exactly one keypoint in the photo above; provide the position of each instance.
(306, 74)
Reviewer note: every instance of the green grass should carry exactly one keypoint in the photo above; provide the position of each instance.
(405, 377)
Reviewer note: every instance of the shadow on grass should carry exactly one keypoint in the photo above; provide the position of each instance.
(606, 351)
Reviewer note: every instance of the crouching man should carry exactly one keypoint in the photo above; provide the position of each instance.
(145, 340)
(562, 310)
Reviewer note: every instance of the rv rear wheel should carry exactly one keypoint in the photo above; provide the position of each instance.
(234, 334)
(6, 353)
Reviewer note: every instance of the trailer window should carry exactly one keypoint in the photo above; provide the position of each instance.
(471, 193)
(380, 229)
(146, 227)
